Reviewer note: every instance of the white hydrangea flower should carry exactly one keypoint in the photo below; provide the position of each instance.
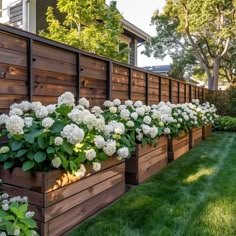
(108, 129)
(58, 141)
(145, 129)
(139, 137)
(166, 131)
(138, 104)
(4, 149)
(153, 132)
(76, 116)
(84, 102)
(128, 103)
(29, 214)
(99, 141)
(3, 119)
(100, 124)
(124, 114)
(161, 123)
(25, 106)
(15, 105)
(51, 108)
(180, 120)
(36, 105)
(140, 111)
(110, 147)
(90, 154)
(118, 127)
(97, 110)
(121, 107)
(16, 232)
(156, 114)
(134, 115)
(81, 171)
(5, 196)
(178, 125)
(130, 123)
(5, 207)
(73, 134)
(123, 152)
(41, 112)
(67, 99)
(3, 234)
(47, 122)
(147, 109)
(116, 102)
(16, 111)
(56, 162)
(113, 110)
(186, 117)
(90, 121)
(15, 125)
(108, 104)
(97, 166)
(28, 121)
(147, 120)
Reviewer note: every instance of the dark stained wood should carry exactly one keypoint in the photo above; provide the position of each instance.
(146, 162)
(57, 196)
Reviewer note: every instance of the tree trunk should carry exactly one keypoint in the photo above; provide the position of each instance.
(216, 67)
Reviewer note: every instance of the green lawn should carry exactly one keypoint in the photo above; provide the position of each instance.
(195, 195)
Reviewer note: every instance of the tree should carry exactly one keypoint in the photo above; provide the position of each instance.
(87, 24)
(204, 28)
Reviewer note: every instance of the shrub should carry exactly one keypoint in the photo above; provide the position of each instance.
(15, 219)
(225, 123)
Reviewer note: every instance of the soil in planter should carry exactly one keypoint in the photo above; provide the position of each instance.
(146, 162)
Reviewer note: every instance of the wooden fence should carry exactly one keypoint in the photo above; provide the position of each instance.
(37, 69)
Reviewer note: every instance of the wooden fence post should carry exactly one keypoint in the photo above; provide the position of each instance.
(147, 88)
(29, 69)
(130, 83)
(160, 89)
(170, 90)
(178, 92)
(78, 69)
(109, 80)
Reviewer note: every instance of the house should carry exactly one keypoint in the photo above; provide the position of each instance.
(162, 69)
(29, 15)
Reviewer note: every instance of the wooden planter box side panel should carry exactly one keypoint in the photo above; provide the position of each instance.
(46, 181)
(147, 162)
(195, 136)
(56, 211)
(206, 131)
(178, 146)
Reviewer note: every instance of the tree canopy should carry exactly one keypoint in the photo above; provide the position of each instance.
(87, 24)
(198, 33)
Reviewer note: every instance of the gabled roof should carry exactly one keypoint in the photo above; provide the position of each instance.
(134, 32)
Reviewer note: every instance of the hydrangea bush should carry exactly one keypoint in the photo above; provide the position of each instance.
(60, 136)
(15, 219)
(67, 136)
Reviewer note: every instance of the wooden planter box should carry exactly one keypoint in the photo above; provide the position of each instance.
(60, 200)
(146, 162)
(206, 131)
(178, 146)
(195, 136)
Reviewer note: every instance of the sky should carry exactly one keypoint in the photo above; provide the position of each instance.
(139, 13)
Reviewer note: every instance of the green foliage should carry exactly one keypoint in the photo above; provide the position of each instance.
(225, 123)
(225, 101)
(90, 25)
(197, 34)
(15, 217)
